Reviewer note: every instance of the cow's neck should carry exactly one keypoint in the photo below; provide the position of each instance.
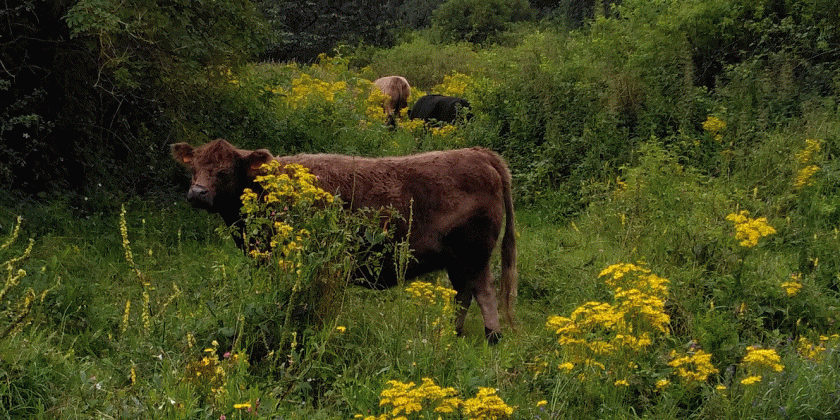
(230, 216)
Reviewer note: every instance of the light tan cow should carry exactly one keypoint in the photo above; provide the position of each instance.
(396, 90)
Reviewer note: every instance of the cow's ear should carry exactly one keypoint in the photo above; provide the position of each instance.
(256, 159)
(182, 152)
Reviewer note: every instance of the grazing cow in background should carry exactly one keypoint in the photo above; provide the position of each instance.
(431, 108)
(457, 201)
(396, 90)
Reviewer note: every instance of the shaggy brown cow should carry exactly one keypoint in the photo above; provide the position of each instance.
(458, 201)
(396, 90)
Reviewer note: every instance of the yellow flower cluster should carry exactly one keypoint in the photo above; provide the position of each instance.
(454, 84)
(793, 286)
(331, 65)
(715, 126)
(126, 314)
(13, 275)
(231, 78)
(758, 361)
(429, 294)
(486, 405)
(693, 367)
(224, 74)
(414, 125)
(803, 176)
(374, 110)
(210, 373)
(307, 90)
(749, 230)
(806, 157)
(406, 399)
(290, 185)
(640, 295)
(129, 257)
(443, 131)
(815, 351)
(600, 331)
(283, 190)
(810, 152)
(440, 298)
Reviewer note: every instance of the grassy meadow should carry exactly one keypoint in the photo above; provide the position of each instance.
(680, 265)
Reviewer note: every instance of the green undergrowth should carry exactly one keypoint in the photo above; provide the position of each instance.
(154, 313)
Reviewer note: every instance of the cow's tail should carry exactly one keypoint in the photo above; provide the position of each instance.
(509, 281)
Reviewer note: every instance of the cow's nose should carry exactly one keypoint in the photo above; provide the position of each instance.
(198, 193)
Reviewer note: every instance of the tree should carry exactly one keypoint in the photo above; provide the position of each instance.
(96, 89)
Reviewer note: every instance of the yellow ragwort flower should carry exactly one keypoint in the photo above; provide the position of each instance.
(814, 351)
(803, 176)
(486, 405)
(694, 367)
(715, 126)
(749, 380)
(791, 287)
(749, 230)
(454, 84)
(807, 155)
(758, 358)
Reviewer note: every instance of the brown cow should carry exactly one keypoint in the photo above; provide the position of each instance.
(396, 90)
(458, 201)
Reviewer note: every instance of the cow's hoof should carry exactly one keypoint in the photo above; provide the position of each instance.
(493, 337)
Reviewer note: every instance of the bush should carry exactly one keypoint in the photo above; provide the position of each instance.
(478, 21)
(424, 63)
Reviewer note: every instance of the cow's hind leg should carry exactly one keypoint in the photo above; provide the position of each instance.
(485, 296)
(478, 285)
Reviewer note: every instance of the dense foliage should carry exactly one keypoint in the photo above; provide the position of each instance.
(676, 178)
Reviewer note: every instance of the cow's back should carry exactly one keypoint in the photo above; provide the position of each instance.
(434, 180)
(396, 88)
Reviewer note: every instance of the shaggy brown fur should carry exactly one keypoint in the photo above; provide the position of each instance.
(457, 201)
(396, 90)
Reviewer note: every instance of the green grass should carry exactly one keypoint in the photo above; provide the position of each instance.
(74, 356)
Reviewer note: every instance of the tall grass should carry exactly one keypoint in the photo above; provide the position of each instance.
(187, 326)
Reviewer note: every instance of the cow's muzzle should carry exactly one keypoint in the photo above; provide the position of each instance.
(200, 197)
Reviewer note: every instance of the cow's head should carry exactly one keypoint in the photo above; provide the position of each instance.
(220, 173)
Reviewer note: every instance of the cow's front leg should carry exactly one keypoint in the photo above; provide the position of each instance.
(463, 299)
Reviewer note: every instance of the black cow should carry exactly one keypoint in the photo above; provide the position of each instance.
(440, 108)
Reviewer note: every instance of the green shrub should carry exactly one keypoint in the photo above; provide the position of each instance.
(425, 63)
(478, 21)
